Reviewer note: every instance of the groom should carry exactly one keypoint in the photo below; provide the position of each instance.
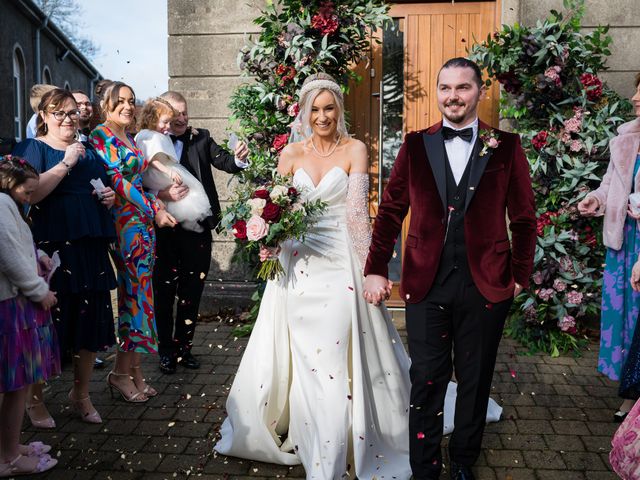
(460, 269)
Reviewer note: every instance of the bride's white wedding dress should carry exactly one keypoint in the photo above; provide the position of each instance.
(324, 380)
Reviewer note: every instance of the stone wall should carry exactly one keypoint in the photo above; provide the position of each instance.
(620, 15)
(204, 39)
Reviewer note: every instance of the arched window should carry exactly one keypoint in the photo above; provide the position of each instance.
(67, 86)
(18, 92)
(46, 76)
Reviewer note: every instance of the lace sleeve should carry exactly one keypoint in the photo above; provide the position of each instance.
(358, 223)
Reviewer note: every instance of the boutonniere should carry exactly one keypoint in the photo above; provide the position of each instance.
(489, 141)
(192, 133)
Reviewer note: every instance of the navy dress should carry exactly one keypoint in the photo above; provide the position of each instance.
(72, 221)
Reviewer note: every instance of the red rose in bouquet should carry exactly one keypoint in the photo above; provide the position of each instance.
(325, 21)
(240, 230)
(271, 212)
(261, 193)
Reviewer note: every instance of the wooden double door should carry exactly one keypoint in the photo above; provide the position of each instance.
(398, 91)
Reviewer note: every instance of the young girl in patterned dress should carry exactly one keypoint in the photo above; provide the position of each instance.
(28, 344)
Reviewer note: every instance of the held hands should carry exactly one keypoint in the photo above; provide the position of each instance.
(241, 151)
(588, 206)
(376, 289)
(165, 219)
(73, 153)
(173, 193)
(49, 301)
(267, 253)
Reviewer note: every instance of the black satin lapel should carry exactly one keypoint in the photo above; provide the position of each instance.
(434, 146)
(192, 158)
(478, 164)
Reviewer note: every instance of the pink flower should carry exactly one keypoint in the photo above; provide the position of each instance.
(553, 74)
(293, 110)
(537, 278)
(575, 146)
(573, 125)
(493, 142)
(567, 324)
(574, 297)
(559, 285)
(257, 228)
(546, 293)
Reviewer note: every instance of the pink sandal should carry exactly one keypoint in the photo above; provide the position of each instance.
(13, 468)
(34, 449)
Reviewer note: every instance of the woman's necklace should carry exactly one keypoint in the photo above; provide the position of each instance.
(324, 155)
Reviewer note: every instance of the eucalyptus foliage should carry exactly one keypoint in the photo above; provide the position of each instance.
(566, 116)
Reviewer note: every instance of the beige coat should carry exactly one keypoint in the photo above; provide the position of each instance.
(613, 192)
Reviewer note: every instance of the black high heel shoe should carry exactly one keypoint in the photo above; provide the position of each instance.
(619, 416)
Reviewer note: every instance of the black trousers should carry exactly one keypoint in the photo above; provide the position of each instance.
(453, 315)
(182, 263)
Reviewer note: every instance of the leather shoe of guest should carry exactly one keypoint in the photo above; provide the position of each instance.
(461, 472)
(167, 364)
(187, 360)
(619, 416)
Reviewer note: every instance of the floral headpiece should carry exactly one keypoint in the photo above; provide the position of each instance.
(320, 84)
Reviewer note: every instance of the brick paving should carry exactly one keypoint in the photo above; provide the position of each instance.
(556, 423)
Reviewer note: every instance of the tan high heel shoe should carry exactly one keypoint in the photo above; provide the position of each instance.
(136, 397)
(148, 390)
(83, 407)
(46, 423)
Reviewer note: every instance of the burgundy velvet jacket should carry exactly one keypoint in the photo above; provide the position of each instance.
(499, 185)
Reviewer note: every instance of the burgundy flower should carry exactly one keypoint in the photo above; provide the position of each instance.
(261, 193)
(593, 86)
(271, 212)
(325, 21)
(292, 192)
(240, 230)
(280, 141)
(540, 140)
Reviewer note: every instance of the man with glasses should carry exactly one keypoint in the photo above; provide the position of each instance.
(86, 112)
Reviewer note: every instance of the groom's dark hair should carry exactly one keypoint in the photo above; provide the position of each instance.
(461, 62)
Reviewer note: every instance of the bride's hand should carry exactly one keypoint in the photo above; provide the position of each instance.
(267, 253)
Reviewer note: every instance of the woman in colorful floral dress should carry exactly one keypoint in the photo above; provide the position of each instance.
(134, 212)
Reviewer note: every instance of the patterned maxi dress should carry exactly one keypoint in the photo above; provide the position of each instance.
(620, 304)
(133, 212)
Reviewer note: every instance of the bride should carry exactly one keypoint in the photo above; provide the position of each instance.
(324, 380)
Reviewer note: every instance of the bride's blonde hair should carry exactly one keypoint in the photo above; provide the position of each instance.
(313, 86)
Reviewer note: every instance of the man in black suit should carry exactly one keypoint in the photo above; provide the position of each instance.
(184, 256)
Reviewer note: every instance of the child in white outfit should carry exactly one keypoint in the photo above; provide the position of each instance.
(165, 169)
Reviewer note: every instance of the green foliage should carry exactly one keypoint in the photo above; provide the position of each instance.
(565, 116)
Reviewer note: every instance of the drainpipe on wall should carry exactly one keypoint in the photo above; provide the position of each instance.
(37, 50)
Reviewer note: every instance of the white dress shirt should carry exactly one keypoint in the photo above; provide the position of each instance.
(459, 151)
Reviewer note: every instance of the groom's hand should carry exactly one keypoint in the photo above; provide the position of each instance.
(376, 289)
(173, 192)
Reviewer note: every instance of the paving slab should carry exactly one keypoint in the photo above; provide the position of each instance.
(556, 423)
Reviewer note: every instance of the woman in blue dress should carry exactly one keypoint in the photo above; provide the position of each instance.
(621, 236)
(70, 218)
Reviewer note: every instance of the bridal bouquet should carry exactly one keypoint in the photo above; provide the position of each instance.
(266, 215)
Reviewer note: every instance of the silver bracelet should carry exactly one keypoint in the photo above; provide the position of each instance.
(66, 165)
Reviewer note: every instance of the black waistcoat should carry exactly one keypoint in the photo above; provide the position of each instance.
(454, 253)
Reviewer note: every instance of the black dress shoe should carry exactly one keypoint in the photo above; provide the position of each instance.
(98, 363)
(187, 360)
(619, 416)
(461, 472)
(167, 364)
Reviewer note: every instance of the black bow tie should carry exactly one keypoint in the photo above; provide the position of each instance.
(174, 138)
(85, 131)
(465, 134)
